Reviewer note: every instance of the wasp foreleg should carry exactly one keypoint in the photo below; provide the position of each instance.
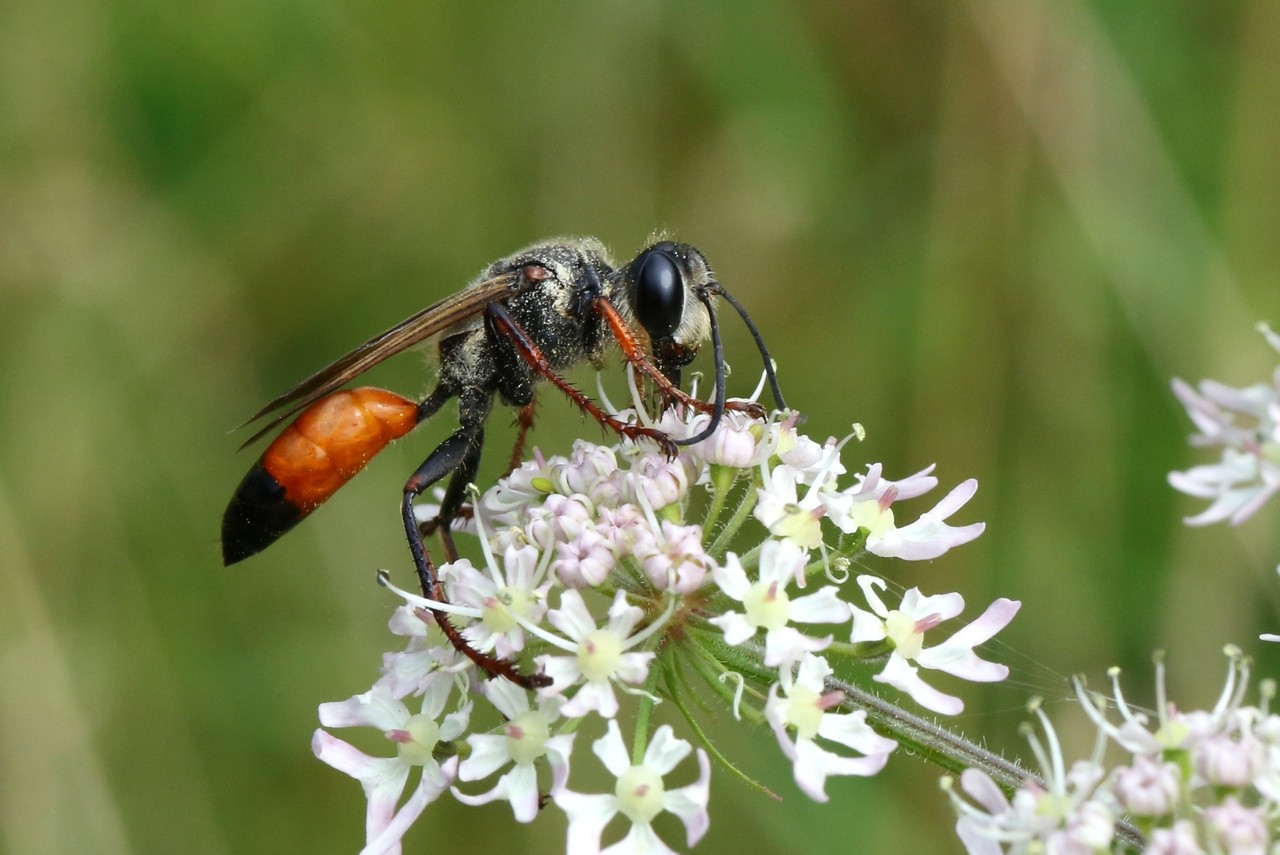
(501, 321)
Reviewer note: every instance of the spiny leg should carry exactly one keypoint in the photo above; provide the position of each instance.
(524, 424)
(502, 322)
(458, 453)
(634, 353)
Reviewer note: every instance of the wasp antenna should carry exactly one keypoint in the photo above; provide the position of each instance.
(755, 334)
(718, 351)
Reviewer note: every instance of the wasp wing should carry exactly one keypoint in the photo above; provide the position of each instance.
(435, 318)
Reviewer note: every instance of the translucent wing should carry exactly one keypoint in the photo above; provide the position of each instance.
(435, 318)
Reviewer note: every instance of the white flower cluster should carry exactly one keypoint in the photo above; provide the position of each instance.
(608, 574)
(1245, 424)
(1196, 783)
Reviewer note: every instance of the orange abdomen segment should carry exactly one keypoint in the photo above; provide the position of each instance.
(321, 450)
(333, 439)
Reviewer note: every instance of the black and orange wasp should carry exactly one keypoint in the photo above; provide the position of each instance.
(527, 318)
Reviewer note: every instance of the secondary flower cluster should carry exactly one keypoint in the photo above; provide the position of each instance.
(609, 573)
(1245, 424)
(1195, 783)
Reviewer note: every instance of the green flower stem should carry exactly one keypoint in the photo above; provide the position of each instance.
(722, 478)
(917, 736)
(710, 668)
(674, 679)
(740, 514)
(644, 713)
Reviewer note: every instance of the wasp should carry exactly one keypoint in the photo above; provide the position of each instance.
(526, 319)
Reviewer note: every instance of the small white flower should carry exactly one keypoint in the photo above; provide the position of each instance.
(502, 599)
(426, 658)
(906, 626)
(1179, 840)
(383, 779)
(525, 738)
(558, 519)
(781, 510)
(1237, 829)
(674, 558)
(1065, 816)
(737, 442)
(656, 480)
(1245, 424)
(585, 560)
(870, 507)
(1148, 788)
(640, 795)
(804, 711)
(767, 605)
(598, 656)
(1173, 730)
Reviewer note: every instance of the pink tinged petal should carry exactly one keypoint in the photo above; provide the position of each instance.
(735, 626)
(731, 578)
(509, 699)
(825, 606)
(916, 484)
(562, 670)
(787, 644)
(866, 626)
(977, 840)
(404, 621)
(852, 731)
(374, 708)
(939, 607)
(779, 722)
(622, 617)
(1225, 507)
(455, 723)
(955, 655)
(962, 663)
(572, 618)
(902, 676)
(813, 765)
(665, 751)
(599, 697)
(1259, 499)
(588, 815)
(519, 786)
(689, 803)
(612, 751)
(559, 748)
(813, 673)
(979, 786)
(348, 759)
(499, 792)
(997, 616)
(955, 500)
(633, 667)
(428, 790)
(640, 839)
(382, 778)
(488, 754)
(869, 584)
(923, 540)
(781, 561)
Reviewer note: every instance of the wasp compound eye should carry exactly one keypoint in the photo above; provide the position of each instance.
(659, 298)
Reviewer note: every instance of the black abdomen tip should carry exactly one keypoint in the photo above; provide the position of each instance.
(259, 513)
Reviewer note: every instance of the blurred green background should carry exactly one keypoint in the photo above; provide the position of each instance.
(988, 231)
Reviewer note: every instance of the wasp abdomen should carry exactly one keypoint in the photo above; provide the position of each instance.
(327, 444)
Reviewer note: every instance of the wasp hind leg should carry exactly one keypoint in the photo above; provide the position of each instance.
(458, 456)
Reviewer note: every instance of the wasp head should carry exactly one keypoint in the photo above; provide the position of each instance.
(666, 291)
